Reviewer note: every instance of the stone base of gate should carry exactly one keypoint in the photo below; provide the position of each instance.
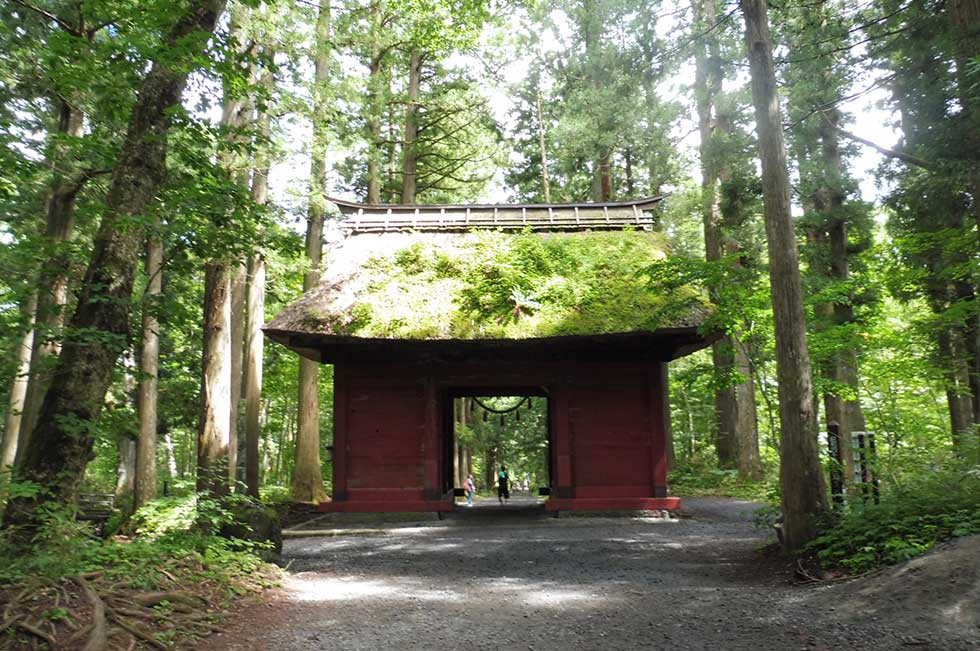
(385, 506)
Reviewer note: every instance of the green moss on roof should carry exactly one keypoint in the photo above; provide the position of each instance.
(494, 285)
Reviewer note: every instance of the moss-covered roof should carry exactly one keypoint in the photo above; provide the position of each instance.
(490, 285)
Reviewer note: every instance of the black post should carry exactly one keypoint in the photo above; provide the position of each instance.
(837, 464)
(863, 464)
(872, 448)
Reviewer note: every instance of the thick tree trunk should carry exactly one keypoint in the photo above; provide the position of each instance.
(213, 427)
(61, 445)
(736, 421)
(253, 372)
(965, 15)
(255, 300)
(972, 334)
(126, 470)
(845, 361)
(410, 161)
(801, 477)
(235, 117)
(237, 355)
(53, 278)
(146, 446)
(307, 484)
(18, 389)
(375, 107)
(542, 132)
(602, 178)
(953, 353)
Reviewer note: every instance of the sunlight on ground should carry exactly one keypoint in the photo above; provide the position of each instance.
(352, 588)
(509, 589)
(335, 589)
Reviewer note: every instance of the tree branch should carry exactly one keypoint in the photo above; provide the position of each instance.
(50, 16)
(891, 153)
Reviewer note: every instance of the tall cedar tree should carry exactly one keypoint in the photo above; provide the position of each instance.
(737, 434)
(61, 445)
(837, 224)
(52, 283)
(149, 381)
(800, 474)
(307, 476)
(933, 200)
(255, 301)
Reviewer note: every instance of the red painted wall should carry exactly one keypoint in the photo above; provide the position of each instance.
(607, 427)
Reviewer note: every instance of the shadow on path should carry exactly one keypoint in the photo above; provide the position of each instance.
(531, 582)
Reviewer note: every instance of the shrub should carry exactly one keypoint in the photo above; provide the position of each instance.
(912, 518)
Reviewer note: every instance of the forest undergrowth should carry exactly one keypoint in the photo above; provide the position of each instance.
(168, 581)
(922, 510)
(920, 507)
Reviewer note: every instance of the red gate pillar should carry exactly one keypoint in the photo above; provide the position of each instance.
(660, 425)
(432, 444)
(561, 445)
(340, 442)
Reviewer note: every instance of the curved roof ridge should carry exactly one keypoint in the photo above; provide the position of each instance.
(351, 207)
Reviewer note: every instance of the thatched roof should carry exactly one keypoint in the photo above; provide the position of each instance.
(490, 286)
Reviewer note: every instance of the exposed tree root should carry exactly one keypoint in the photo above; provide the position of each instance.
(154, 598)
(36, 632)
(98, 636)
(96, 612)
(135, 631)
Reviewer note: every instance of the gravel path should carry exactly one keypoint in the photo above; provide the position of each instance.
(535, 583)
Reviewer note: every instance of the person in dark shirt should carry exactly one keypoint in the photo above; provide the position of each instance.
(503, 488)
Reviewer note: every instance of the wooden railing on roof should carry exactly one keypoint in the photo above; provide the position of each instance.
(617, 215)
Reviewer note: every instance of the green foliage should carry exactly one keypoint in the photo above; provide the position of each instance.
(934, 505)
(518, 439)
(276, 495)
(705, 478)
(595, 67)
(166, 529)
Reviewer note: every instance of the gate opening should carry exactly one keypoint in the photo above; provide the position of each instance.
(492, 429)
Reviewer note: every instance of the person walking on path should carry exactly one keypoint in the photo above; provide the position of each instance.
(503, 490)
(470, 489)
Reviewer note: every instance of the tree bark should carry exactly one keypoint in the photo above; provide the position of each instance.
(61, 445)
(146, 459)
(126, 471)
(602, 178)
(736, 420)
(545, 185)
(213, 428)
(307, 484)
(237, 292)
(410, 162)
(235, 117)
(53, 278)
(965, 15)
(845, 361)
(18, 389)
(953, 353)
(255, 300)
(375, 107)
(801, 477)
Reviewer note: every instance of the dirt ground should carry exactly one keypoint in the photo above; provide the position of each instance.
(515, 580)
